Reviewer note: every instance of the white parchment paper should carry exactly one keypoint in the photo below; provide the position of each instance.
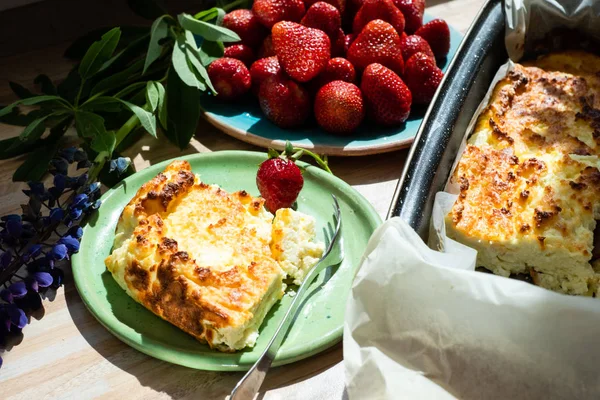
(422, 324)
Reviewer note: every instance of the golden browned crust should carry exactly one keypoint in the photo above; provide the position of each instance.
(521, 176)
(170, 279)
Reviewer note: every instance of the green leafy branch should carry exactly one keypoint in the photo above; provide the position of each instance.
(128, 80)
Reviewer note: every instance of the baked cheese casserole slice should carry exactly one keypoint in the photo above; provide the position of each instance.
(201, 258)
(529, 179)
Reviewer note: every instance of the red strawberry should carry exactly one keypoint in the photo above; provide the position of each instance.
(279, 181)
(422, 77)
(415, 44)
(230, 77)
(339, 107)
(302, 52)
(325, 17)
(377, 43)
(403, 36)
(240, 52)
(339, 4)
(338, 44)
(269, 12)
(337, 69)
(284, 102)
(387, 98)
(266, 48)
(378, 9)
(246, 25)
(413, 13)
(437, 34)
(262, 69)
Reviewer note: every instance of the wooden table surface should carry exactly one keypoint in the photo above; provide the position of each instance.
(67, 354)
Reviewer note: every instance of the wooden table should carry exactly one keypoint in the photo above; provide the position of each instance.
(68, 354)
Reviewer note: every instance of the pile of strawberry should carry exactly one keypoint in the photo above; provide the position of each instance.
(380, 66)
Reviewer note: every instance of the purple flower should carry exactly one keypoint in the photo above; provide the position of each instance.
(75, 231)
(34, 250)
(68, 154)
(14, 227)
(79, 200)
(44, 279)
(71, 243)
(93, 187)
(56, 214)
(57, 277)
(82, 179)
(80, 155)
(60, 181)
(75, 213)
(37, 189)
(18, 289)
(59, 252)
(61, 165)
(16, 315)
(33, 285)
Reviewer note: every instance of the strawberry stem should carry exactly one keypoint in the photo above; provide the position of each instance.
(322, 162)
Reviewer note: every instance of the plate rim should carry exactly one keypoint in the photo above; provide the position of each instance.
(169, 354)
(330, 150)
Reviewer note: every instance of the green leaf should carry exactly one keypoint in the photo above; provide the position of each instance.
(159, 31)
(152, 95)
(31, 101)
(104, 141)
(78, 48)
(21, 91)
(162, 105)
(124, 57)
(16, 118)
(68, 88)
(147, 119)
(102, 103)
(129, 89)
(99, 53)
(207, 30)
(88, 124)
(207, 15)
(117, 80)
(149, 9)
(210, 51)
(36, 165)
(183, 109)
(34, 130)
(183, 66)
(193, 55)
(220, 16)
(13, 147)
(46, 84)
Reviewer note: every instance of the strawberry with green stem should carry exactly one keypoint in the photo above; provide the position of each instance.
(280, 180)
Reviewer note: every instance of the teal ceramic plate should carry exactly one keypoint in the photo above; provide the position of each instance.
(246, 122)
(320, 322)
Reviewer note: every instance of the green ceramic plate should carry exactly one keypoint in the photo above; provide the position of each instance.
(320, 322)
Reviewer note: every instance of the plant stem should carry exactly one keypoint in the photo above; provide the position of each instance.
(79, 93)
(229, 6)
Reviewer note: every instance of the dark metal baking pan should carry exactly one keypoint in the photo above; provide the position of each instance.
(433, 153)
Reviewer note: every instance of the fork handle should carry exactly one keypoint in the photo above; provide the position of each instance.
(249, 385)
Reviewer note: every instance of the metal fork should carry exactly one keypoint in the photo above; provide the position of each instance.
(249, 385)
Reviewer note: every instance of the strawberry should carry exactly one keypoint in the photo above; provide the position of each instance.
(437, 34)
(339, 107)
(241, 52)
(302, 52)
(266, 48)
(279, 179)
(338, 44)
(422, 77)
(403, 36)
(387, 98)
(246, 25)
(284, 101)
(339, 4)
(378, 9)
(377, 43)
(415, 44)
(269, 12)
(337, 69)
(413, 13)
(279, 182)
(230, 77)
(262, 69)
(325, 17)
